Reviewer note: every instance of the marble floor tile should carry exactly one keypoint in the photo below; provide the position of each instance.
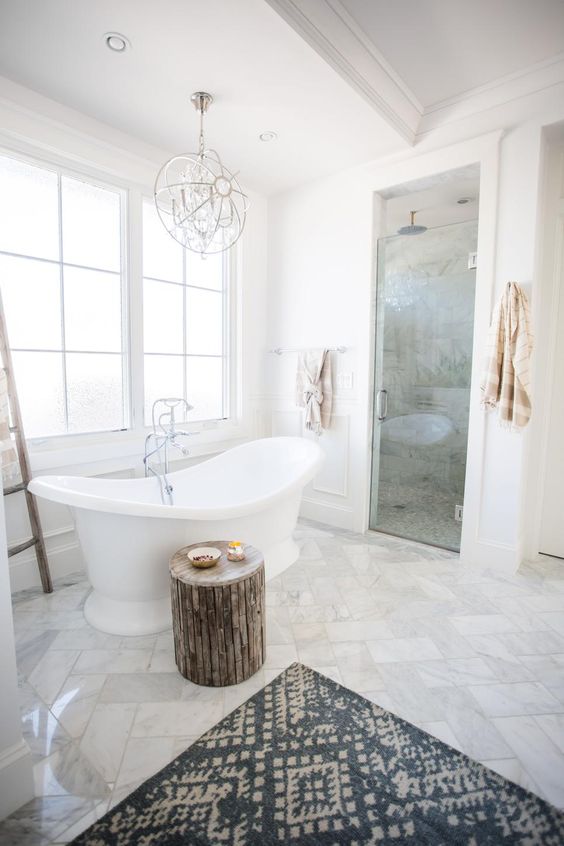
(414, 701)
(142, 687)
(112, 661)
(106, 736)
(51, 672)
(280, 656)
(40, 821)
(143, 757)
(455, 671)
(316, 653)
(358, 630)
(76, 701)
(43, 733)
(533, 643)
(537, 753)
(553, 726)
(167, 719)
(85, 638)
(475, 624)
(471, 656)
(554, 619)
(505, 700)
(403, 649)
(68, 772)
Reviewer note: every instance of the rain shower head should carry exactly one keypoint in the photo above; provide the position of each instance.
(413, 228)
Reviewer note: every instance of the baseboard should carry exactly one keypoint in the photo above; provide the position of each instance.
(63, 552)
(16, 778)
(340, 516)
(500, 557)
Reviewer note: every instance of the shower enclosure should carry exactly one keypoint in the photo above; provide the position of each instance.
(424, 330)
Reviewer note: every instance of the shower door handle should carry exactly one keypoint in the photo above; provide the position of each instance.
(382, 404)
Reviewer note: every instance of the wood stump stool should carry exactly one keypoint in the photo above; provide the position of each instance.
(218, 616)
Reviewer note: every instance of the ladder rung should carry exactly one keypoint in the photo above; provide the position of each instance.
(19, 547)
(15, 488)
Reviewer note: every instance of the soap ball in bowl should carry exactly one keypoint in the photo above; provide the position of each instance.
(204, 556)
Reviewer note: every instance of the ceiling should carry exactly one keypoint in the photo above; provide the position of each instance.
(342, 82)
(262, 75)
(443, 48)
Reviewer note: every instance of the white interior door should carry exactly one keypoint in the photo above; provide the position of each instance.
(552, 521)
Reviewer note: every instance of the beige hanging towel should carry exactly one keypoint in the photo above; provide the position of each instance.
(314, 389)
(506, 380)
(8, 455)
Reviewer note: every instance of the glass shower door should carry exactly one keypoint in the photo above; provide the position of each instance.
(424, 331)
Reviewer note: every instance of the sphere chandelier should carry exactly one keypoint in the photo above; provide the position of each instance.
(200, 201)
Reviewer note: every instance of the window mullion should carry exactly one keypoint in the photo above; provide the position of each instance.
(62, 299)
(135, 296)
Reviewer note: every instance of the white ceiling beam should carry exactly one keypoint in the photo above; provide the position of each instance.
(329, 29)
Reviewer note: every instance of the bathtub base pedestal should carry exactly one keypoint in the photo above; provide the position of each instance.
(120, 617)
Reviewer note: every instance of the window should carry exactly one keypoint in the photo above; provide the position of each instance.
(184, 307)
(61, 283)
(93, 348)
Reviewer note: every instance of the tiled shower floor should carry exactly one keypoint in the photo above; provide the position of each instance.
(474, 658)
(421, 512)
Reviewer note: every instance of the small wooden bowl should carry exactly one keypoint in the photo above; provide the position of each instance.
(202, 551)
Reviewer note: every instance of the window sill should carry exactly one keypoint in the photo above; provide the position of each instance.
(113, 451)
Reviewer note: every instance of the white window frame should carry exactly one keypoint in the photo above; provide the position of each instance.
(119, 446)
(227, 295)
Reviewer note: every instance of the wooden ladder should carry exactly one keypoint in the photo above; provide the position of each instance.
(36, 538)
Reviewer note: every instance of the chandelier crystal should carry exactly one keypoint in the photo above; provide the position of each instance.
(200, 201)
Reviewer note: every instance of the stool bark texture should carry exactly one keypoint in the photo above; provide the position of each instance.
(218, 616)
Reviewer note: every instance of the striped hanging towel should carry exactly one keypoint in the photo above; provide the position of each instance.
(506, 380)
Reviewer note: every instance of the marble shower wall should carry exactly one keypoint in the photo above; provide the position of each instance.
(424, 360)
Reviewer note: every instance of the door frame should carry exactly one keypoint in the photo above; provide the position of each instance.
(484, 151)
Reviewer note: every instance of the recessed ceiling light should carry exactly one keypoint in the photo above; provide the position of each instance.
(117, 42)
(464, 200)
(268, 136)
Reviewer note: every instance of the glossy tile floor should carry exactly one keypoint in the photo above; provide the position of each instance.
(473, 658)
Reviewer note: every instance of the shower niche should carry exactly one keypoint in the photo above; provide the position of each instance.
(425, 289)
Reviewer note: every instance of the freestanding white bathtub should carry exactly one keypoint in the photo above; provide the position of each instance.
(251, 493)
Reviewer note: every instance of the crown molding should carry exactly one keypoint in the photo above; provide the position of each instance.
(506, 89)
(334, 35)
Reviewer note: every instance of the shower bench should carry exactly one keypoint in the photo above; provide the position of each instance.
(218, 616)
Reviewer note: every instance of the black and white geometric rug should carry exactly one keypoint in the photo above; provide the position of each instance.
(306, 761)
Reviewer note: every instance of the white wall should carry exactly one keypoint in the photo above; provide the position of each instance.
(37, 126)
(320, 283)
(16, 772)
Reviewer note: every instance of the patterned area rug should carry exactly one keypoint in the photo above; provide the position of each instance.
(306, 761)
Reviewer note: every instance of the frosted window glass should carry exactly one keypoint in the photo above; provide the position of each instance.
(162, 255)
(31, 296)
(204, 387)
(205, 271)
(91, 225)
(94, 390)
(204, 322)
(39, 378)
(28, 210)
(163, 378)
(162, 317)
(92, 310)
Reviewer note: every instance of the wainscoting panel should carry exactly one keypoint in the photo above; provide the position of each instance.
(333, 478)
